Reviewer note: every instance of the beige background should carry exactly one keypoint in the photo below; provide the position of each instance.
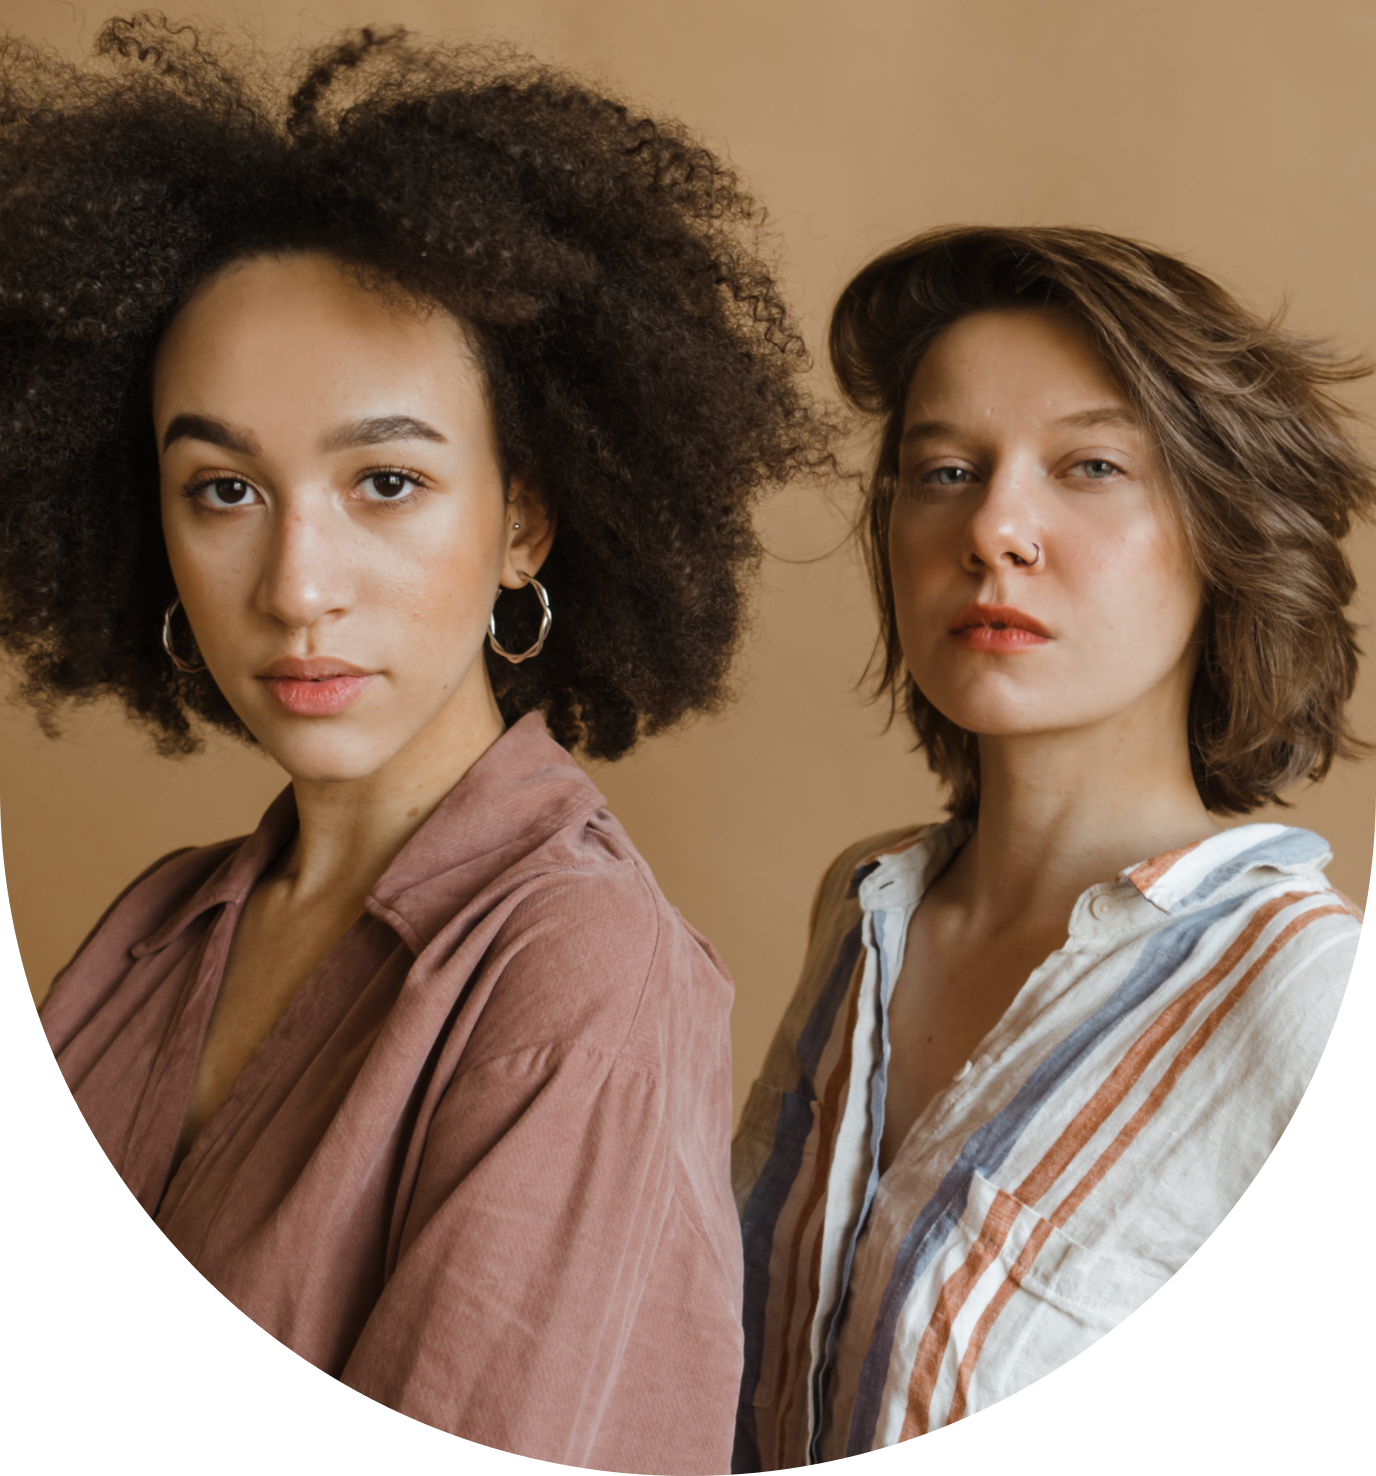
(1239, 132)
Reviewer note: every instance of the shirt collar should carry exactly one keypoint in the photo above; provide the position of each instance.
(520, 809)
(521, 797)
(1194, 875)
(234, 878)
(895, 875)
(899, 871)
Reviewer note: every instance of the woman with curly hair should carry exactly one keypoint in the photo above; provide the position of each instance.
(1038, 1051)
(408, 424)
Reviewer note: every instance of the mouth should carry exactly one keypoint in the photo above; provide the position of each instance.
(315, 686)
(311, 668)
(997, 629)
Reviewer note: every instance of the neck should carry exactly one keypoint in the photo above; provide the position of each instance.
(351, 830)
(1061, 811)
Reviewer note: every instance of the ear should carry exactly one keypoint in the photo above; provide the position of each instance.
(529, 534)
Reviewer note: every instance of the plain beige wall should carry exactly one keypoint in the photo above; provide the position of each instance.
(1239, 132)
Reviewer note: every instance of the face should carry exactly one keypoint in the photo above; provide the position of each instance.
(334, 510)
(1041, 582)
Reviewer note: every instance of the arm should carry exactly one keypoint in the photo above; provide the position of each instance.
(541, 1194)
(558, 1285)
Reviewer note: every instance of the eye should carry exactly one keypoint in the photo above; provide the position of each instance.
(1096, 468)
(389, 484)
(222, 493)
(948, 476)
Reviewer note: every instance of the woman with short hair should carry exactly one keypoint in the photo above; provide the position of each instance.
(407, 422)
(1039, 1050)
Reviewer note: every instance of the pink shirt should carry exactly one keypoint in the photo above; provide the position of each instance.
(478, 1169)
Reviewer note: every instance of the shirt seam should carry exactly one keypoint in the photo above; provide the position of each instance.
(616, 1056)
(686, 1205)
(655, 904)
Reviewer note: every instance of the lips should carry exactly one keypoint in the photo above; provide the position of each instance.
(315, 686)
(997, 629)
(312, 668)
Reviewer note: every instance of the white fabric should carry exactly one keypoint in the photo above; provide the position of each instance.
(1099, 1133)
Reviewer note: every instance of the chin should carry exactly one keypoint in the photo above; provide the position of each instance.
(996, 725)
(325, 756)
(994, 716)
(996, 705)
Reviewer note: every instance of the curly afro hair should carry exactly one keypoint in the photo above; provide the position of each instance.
(642, 368)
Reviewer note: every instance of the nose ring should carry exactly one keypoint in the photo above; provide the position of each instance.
(1023, 563)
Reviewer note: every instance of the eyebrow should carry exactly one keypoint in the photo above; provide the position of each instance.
(213, 432)
(371, 432)
(377, 429)
(1101, 415)
(921, 429)
(1080, 420)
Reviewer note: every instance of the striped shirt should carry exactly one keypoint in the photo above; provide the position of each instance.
(1100, 1132)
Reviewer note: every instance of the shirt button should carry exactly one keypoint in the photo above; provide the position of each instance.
(962, 1073)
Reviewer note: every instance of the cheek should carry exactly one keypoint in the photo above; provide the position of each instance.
(180, 553)
(916, 545)
(212, 570)
(924, 558)
(1134, 584)
(441, 580)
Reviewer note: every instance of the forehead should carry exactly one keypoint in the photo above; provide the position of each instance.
(277, 337)
(1026, 363)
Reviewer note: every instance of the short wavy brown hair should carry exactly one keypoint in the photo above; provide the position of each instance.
(1265, 479)
(642, 368)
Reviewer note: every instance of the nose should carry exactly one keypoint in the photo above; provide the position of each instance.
(1004, 530)
(305, 576)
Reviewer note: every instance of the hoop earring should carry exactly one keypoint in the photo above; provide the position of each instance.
(176, 660)
(546, 620)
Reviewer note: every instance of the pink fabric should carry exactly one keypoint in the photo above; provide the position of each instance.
(479, 1168)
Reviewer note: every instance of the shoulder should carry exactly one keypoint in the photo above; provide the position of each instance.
(104, 958)
(591, 892)
(1272, 966)
(154, 895)
(1302, 941)
(1283, 924)
(1236, 1035)
(835, 901)
(604, 915)
(1250, 912)
(590, 953)
(834, 956)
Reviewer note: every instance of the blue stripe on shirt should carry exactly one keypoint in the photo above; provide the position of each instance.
(760, 1213)
(1163, 954)
(1294, 848)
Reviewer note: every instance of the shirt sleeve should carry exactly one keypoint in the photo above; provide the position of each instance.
(540, 1198)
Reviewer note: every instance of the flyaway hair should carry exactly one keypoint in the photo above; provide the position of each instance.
(1255, 449)
(612, 274)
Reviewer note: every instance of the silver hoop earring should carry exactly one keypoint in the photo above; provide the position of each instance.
(546, 620)
(176, 660)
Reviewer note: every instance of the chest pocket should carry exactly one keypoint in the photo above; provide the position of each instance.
(1010, 1296)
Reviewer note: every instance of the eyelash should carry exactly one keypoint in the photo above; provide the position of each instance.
(408, 499)
(193, 490)
(929, 478)
(1099, 461)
